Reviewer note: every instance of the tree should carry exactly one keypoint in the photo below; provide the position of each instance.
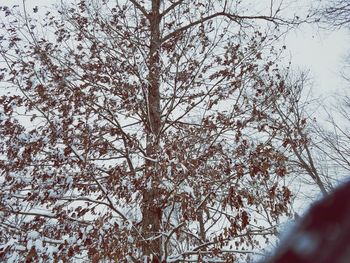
(334, 140)
(327, 157)
(299, 133)
(141, 130)
(335, 13)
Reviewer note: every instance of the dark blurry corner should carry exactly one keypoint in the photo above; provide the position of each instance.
(322, 235)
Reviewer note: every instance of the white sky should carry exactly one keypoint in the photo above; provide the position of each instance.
(324, 53)
(321, 51)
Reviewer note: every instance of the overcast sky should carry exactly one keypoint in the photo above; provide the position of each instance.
(321, 51)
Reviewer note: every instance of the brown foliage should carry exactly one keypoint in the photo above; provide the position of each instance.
(147, 132)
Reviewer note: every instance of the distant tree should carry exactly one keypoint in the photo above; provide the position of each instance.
(141, 131)
(329, 156)
(299, 130)
(320, 146)
(335, 13)
(334, 139)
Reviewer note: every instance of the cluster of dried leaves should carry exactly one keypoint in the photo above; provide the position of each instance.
(139, 130)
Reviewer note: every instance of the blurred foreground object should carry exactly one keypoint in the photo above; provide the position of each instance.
(322, 235)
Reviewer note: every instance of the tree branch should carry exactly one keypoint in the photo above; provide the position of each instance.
(171, 7)
(140, 8)
(235, 18)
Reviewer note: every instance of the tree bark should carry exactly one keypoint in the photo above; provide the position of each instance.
(151, 210)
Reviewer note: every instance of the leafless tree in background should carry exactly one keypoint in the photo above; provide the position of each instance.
(334, 138)
(297, 133)
(336, 13)
(331, 139)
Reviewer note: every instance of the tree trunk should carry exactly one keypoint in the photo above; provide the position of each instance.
(151, 209)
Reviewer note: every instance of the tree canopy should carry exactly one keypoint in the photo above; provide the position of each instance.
(143, 130)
